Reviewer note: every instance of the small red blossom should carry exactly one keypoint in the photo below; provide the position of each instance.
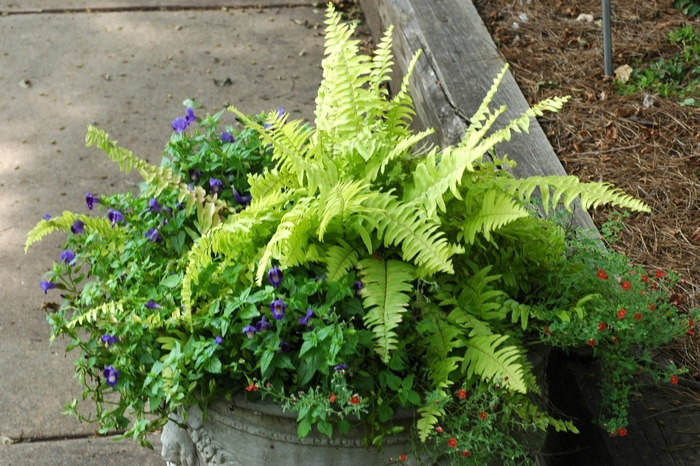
(439, 430)
(601, 326)
(691, 331)
(466, 453)
(402, 458)
(547, 331)
(332, 398)
(626, 285)
(252, 387)
(645, 279)
(602, 275)
(652, 307)
(613, 434)
(462, 394)
(615, 339)
(452, 442)
(621, 313)
(621, 431)
(591, 342)
(483, 416)
(659, 274)
(638, 316)
(355, 400)
(674, 380)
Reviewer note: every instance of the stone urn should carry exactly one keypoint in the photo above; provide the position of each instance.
(243, 433)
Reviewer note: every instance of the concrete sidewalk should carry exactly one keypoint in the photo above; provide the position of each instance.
(128, 73)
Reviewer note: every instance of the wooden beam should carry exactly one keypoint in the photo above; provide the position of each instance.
(459, 63)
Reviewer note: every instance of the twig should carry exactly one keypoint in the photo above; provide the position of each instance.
(614, 149)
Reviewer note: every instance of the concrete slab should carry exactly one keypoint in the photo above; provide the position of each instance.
(127, 73)
(83, 452)
(37, 6)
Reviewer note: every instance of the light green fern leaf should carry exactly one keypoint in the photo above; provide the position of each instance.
(385, 297)
(441, 338)
(339, 259)
(497, 210)
(64, 223)
(429, 417)
(484, 359)
(111, 310)
(382, 63)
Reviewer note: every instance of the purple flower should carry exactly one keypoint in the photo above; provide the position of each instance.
(109, 339)
(152, 305)
(179, 124)
(215, 185)
(309, 315)
(190, 117)
(218, 340)
(243, 200)
(67, 257)
(153, 235)
(263, 325)
(278, 308)
(341, 367)
(154, 206)
(322, 278)
(111, 375)
(284, 346)
(250, 331)
(90, 200)
(357, 287)
(47, 217)
(115, 217)
(46, 286)
(195, 174)
(78, 227)
(275, 275)
(226, 137)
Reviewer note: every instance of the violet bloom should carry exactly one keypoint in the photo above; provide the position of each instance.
(152, 305)
(179, 124)
(46, 286)
(357, 287)
(341, 367)
(195, 174)
(218, 340)
(278, 308)
(78, 227)
(250, 331)
(111, 375)
(153, 235)
(226, 137)
(154, 206)
(322, 278)
(284, 346)
(115, 217)
(215, 185)
(190, 117)
(109, 340)
(263, 325)
(243, 200)
(47, 217)
(67, 257)
(90, 200)
(275, 275)
(309, 315)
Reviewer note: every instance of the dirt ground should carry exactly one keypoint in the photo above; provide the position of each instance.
(650, 151)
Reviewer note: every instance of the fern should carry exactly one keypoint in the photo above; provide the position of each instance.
(429, 415)
(483, 359)
(440, 339)
(64, 223)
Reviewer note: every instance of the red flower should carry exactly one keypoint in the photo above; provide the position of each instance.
(439, 430)
(355, 400)
(626, 285)
(659, 274)
(462, 394)
(652, 307)
(615, 339)
(547, 331)
(621, 431)
(591, 342)
(602, 275)
(332, 398)
(466, 453)
(452, 442)
(483, 416)
(637, 316)
(252, 387)
(621, 313)
(674, 380)
(601, 326)
(402, 458)
(645, 279)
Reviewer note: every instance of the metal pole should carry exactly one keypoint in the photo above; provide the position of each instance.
(607, 38)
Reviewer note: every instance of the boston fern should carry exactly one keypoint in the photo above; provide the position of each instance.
(349, 268)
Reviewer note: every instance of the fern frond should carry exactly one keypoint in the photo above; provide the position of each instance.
(111, 309)
(429, 416)
(381, 64)
(64, 223)
(483, 359)
(385, 297)
(339, 259)
(400, 112)
(441, 338)
(198, 258)
(342, 201)
(497, 210)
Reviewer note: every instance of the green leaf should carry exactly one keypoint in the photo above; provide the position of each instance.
(385, 412)
(304, 428)
(213, 365)
(326, 428)
(190, 103)
(171, 281)
(343, 426)
(266, 360)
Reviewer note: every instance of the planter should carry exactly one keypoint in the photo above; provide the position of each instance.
(241, 433)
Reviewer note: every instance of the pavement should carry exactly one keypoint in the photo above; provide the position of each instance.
(124, 66)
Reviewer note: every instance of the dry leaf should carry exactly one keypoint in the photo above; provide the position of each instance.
(586, 18)
(623, 73)
(696, 236)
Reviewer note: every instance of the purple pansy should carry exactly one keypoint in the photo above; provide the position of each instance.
(218, 340)
(179, 124)
(78, 227)
(153, 235)
(189, 116)
(275, 275)
(284, 346)
(46, 286)
(111, 375)
(67, 256)
(309, 315)
(357, 287)
(341, 367)
(195, 174)
(226, 137)
(249, 330)
(152, 305)
(109, 340)
(243, 200)
(263, 325)
(90, 200)
(154, 206)
(278, 308)
(46, 217)
(215, 185)
(115, 217)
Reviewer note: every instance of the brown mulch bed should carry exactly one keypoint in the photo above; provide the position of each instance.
(650, 152)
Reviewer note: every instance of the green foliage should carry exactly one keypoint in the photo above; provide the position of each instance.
(688, 7)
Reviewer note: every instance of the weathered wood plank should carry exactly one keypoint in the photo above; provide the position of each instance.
(456, 70)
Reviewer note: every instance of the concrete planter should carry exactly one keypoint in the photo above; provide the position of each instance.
(241, 433)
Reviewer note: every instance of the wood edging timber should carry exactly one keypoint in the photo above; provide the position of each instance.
(454, 73)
